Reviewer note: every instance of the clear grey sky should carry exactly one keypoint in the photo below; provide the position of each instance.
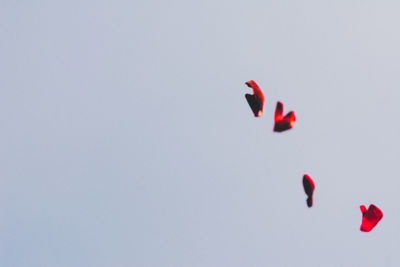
(126, 140)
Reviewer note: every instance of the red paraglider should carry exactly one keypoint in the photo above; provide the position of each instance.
(309, 187)
(370, 217)
(283, 123)
(256, 101)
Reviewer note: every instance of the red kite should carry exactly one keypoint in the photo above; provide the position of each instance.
(309, 187)
(370, 217)
(255, 101)
(283, 123)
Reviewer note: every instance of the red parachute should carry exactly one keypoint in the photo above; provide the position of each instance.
(309, 187)
(255, 101)
(370, 217)
(283, 123)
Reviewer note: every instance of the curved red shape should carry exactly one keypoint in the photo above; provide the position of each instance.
(370, 217)
(309, 187)
(283, 123)
(256, 101)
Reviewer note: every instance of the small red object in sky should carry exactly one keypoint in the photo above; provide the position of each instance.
(256, 101)
(370, 217)
(283, 123)
(309, 187)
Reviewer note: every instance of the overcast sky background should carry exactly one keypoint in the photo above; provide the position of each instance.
(126, 140)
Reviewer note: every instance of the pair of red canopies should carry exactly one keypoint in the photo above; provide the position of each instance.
(370, 217)
(256, 102)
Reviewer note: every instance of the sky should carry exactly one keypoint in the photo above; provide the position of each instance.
(126, 140)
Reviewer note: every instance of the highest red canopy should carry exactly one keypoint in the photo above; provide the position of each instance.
(256, 101)
(370, 217)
